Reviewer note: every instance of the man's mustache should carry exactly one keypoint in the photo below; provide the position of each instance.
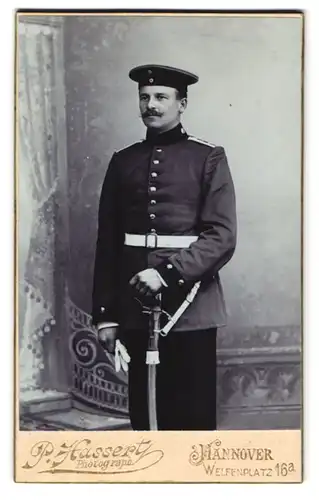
(151, 113)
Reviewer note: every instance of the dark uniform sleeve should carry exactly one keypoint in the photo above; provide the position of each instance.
(217, 225)
(110, 239)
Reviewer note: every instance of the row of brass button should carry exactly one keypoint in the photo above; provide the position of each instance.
(153, 190)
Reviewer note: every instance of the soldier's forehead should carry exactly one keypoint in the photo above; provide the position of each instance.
(156, 89)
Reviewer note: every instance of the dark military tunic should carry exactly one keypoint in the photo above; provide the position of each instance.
(168, 184)
(173, 185)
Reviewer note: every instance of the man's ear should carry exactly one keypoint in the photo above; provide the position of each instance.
(182, 105)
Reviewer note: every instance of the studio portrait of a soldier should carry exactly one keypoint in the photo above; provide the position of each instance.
(166, 227)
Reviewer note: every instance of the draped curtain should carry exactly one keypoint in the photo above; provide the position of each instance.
(37, 187)
(51, 360)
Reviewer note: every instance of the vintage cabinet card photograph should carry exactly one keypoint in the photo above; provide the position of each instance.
(158, 283)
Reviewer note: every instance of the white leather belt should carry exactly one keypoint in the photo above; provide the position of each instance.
(153, 240)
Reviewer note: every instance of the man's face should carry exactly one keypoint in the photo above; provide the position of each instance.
(160, 107)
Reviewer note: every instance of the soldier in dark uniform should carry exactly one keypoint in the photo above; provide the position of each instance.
(167, 220)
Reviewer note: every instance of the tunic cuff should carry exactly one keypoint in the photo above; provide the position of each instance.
(106, 324)
(102, 314)
(170, 274)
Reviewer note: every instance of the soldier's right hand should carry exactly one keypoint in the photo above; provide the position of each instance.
(107, 338)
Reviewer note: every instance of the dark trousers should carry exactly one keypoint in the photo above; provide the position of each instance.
(185, 381)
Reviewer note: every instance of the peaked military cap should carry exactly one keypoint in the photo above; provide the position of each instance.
(155, 74)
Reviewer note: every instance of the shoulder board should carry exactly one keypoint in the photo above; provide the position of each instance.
(128, 146)
(200, 141)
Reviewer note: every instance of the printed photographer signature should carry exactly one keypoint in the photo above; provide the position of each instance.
(82, 457)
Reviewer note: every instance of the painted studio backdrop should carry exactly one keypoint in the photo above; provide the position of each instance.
(76, 106)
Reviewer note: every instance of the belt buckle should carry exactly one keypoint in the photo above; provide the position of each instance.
(149, 244)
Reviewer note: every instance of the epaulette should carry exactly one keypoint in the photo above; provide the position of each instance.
(128, 146)
(200, 141)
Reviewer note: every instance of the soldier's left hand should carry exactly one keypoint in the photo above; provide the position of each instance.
(147, 282)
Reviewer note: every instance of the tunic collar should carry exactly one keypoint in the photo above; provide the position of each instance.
(176, 134)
